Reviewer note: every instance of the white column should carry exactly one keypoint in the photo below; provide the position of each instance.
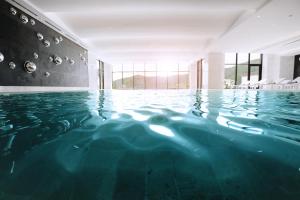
(287, 65)
(193, 75)
(93, 71)
(271, 68)
(215, 65)
(107, 76)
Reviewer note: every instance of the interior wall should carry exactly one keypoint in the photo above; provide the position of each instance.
(58, 61)
(93, 71)
(297, 66)
(287, 64)
(276, 67)
(271, 67)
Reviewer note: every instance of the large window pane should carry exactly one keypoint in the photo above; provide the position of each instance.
(229, 76)
(127, 80)
(117, 80)
(183, 80)
(230, 58)
(173, 80)
(117, 68)
(150, 76)
(255, 59)
(128, 68)
(139, 80)
(243, 58)
(167, 68)
(139, 67)
(150, 67)
(254, 74)
(242, 74)
(150, 80)
(183, 68)
(162, 80)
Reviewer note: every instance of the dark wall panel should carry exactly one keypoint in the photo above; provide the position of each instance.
(19, 42)
(297, 66)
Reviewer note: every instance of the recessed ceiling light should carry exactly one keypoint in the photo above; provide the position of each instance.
(258, 16)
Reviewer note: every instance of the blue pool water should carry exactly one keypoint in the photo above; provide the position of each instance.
(144, 145)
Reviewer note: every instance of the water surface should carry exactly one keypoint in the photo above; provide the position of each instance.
(181, 144)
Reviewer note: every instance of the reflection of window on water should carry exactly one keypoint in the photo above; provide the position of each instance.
(150, 77)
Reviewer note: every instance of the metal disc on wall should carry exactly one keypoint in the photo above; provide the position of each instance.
(56, 40)
(29, 67)
(46, 43)
(57, 60)
(1, 57)
(35, 55)
(32, 21)
(13, 11)
(40, 36)
(50, 59)
(47, 74)
(12, 65)
(24, 18)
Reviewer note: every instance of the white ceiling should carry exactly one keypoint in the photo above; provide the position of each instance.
(273, 29)
(128, 31)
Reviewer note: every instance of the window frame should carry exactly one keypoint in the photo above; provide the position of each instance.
(249, 64)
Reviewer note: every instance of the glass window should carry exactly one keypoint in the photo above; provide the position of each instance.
(139, 67)
(117, 68)
(230, 58)
(242, 74)
(128, 68)
(255, 59)
(162, 68)
(139, 80)
(167, 68)
(183, 80)
(117, 80)
(172, 80)
(183, 68)
(243, 58)
(149, 76)
(150, 67)
(229, 76)
(127, 80)
(162, 80)
(254, 74)
(150, 80)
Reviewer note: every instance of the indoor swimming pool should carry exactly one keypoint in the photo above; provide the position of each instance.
(144, 145)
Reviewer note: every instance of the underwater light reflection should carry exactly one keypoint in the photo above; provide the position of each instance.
(162, 130)
(237, 126)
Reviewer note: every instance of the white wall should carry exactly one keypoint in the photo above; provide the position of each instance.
(287, 65)
(213, 71)
(271, 67)
(276, 67)
(93, 71)
(107, 76)
(204, 74)
(193, 75)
